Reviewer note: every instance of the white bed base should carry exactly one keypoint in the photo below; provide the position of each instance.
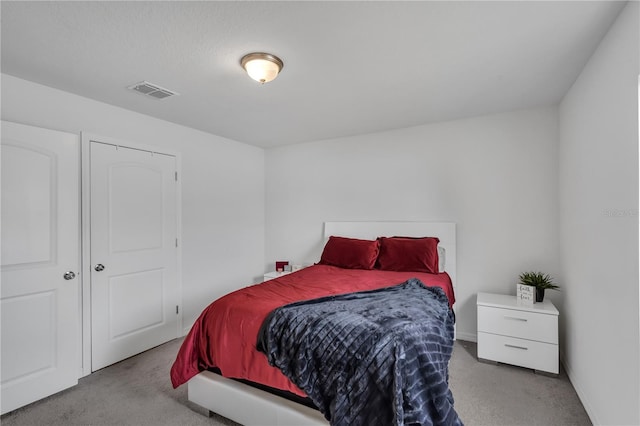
(253, 407)
(247, 405)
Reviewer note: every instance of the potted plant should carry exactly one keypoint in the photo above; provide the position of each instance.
(540, 281)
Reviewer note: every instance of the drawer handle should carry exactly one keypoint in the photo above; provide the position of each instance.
(516, 347)
(516, 318)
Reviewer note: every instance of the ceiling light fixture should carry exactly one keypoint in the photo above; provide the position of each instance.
(262, 67)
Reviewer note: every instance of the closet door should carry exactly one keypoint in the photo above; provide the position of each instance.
(134, 284)
(40, 260)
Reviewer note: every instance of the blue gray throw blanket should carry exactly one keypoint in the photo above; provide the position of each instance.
(378, 357)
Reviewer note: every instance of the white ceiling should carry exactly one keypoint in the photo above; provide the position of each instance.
(350, 67)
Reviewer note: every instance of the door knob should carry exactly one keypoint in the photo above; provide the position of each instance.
(69, 275)
(99, 267)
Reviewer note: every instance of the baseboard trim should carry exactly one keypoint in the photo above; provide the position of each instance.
(469, 337)
(588, 407)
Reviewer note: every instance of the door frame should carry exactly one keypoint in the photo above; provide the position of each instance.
(85, 219)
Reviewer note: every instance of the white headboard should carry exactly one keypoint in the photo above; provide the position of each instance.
(445, 231)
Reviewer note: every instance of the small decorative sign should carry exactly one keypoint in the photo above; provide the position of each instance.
(280, 264)
(526, 294)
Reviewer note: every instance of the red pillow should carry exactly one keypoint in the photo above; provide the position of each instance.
(406, 254)
(350, 253)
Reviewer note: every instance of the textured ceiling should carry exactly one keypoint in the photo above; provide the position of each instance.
(350, 67)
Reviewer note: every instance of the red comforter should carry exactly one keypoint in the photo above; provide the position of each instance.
(225, 334)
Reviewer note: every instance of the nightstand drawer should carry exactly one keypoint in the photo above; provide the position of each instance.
(525, 353)
(274, 274)
(521, 324)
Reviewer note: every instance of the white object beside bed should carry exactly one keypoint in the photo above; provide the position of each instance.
(250, 406)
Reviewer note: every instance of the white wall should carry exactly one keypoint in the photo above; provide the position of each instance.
(598, 159)
(495, 176)
(222, 184)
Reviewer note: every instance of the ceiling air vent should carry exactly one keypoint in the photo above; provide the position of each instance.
(152, 90)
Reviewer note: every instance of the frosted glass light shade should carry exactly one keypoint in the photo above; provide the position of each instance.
(262, 67)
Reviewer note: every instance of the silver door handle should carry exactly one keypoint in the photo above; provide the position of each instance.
(99, 267)
(69, 275)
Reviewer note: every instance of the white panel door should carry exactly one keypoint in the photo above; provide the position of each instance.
(40, 245)
(134, 285)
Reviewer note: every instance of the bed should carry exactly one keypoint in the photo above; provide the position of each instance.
(244, 314)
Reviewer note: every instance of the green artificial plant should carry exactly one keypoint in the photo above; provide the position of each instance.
(538, 280)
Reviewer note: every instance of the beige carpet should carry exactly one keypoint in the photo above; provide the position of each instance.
(489, 394)
(137, 391)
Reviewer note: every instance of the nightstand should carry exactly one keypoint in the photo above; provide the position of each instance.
(274, 274)
(519, 334)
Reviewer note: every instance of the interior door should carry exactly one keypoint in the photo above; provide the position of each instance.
(134, 286)
(39, 297)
